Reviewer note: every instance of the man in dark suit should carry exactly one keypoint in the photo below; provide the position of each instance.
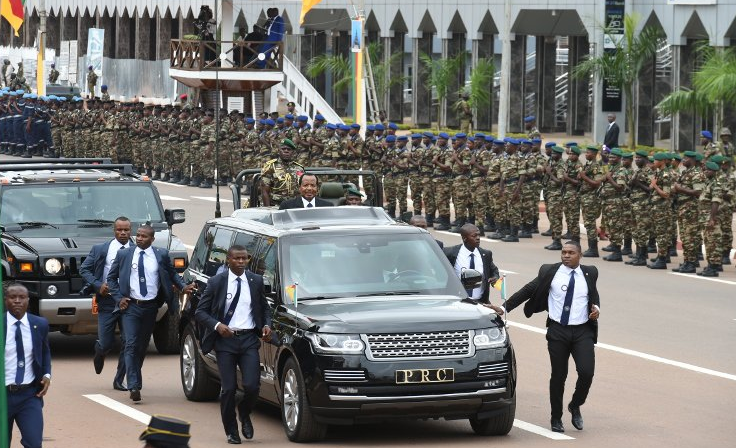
(27, 366)
(307, 198)
(235, 315)
(141, 280)
(611, 137)
(94, 271)
(568, 292)
(469, 255)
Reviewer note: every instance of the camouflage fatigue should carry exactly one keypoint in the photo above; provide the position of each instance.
(461, 197)
(530, 189)
(660, 212)
(639, 198)
(107, 136)
(533, 133)
(237, 134)
(302, 136)
(374, 150)
(282, 179)
(317, 155)
(331, 154)
(612, 200)
(511, 168)
(727, 209)
(589, 202)
(497, 205)
(224, 152)
(465, 116)
(571, 198)
(396, 179)
(424, 156)
(555, 193)
(712, 237)
(481, 205)
(415, 178)
(687, 213)
(250, 153)
(206, 154)
(710, 150)
(441, 179)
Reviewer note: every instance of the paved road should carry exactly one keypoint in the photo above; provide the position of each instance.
(665, 375)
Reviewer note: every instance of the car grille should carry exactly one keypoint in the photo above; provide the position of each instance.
(344, 376)
(496, 369)
(444, 344)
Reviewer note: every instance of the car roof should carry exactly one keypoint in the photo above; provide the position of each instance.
(19, 172)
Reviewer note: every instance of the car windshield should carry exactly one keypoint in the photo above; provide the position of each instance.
(325, 266)
(54, 208)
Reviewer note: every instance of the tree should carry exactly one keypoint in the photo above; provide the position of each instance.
(622, 67)
(337, 64)
(480, 87)
(382, 72)
(440, 75)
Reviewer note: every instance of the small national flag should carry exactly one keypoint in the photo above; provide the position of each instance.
(291, 293)
(306, 6)
(501, 286)
(12, 10)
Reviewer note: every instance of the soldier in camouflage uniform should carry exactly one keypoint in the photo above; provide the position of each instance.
(388, 157)
(639, 192)
(688, 187)
(571, 194)
(203, 161)
(280, 176)
(612, 190)
(591, 178)
(354, 145)
(422, 156)
(512, 181)
(728, 180)
(317, 140)
(144, 138)
(250, 145)
(627, 212)
(441, 176)
(191, 147)
(108, 143)
(530, 123)
(493, 187)
(331, 149)
(555, 171)
(532, 168)
(710, 148)
(374, 148)
(461, 197)
(710, 202)
(660, 208)
(537, 184)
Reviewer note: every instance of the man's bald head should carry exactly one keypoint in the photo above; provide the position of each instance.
(468, 229)
(418, 221)
(471, 236)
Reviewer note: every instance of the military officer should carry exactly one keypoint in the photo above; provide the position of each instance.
(613, 187)
(91, 81)
(660, 207)
(571, 193)
(279, 176)
(709, 204)
(591, 177)
(639, 197)
(688, 188)
(461, 199)
(465, 113)
(530, 124)
(441, 178)
(710, 148)
(556, 171)
(53, 75)
(512, 181)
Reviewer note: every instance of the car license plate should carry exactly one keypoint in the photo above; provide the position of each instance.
(418, 376)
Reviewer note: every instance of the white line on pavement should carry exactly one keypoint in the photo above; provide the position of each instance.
(544, 432)
(697, 277)
(120, 407)
(647, 356)
(207, 198)
(172, 198)
(169, 184)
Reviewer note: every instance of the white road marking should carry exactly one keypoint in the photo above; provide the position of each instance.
(698, 277)
(207, 198)
(171, 185)
(637, 354)
(116, 406)
(172, 198)
(544, 432)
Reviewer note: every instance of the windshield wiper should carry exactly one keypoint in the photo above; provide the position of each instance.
(101, 222)
(318, 297)
(30, 224)
(390, 293)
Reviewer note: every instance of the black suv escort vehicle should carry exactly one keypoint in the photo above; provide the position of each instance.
(381, 328)
(53, 211)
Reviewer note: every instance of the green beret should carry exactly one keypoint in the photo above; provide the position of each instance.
(628, 155)
(591, 148)
(558, 149)
(617, 152)
(699, 157)
(712, 166)
(353, 192)
(289, 143)
(677, 157)
(575, 149)
(651, 158)
(717, 158)
(642, 153)
(690, 154)
(661, 156)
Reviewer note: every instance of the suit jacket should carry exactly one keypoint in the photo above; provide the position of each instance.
(40, 339)
(535, 294)
(118, 280)
(297, 203)
(211, 306)
(611, 138)
(92, 270)
(490, 270)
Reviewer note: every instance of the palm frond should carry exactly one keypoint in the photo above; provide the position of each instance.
(481, 79)
(685, 100)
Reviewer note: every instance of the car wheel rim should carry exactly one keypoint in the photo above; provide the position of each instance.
(187, 363)
(291, 400)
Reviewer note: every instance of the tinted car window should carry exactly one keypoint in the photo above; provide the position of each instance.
(218, 251)
(266, 263)
(247, 240)
(200, 250)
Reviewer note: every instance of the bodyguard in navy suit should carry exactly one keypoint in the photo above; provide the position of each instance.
(141, 279)
(94, 271)
(27, 366)
(235, 313)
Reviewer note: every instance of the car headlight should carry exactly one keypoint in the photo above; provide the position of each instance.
(53, 266)
(489, 337)
(336, 343)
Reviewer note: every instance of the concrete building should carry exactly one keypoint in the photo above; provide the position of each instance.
(534, 43)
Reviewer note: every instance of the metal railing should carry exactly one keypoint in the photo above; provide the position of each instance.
(241, 55)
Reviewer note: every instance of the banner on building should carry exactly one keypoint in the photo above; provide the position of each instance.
(73, 61)
(356, 36)
(612, 100)
(95, 47)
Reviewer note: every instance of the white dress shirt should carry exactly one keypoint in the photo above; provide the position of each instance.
(112, 251)
(305, 203)
(242, 317)
(151, 274)
(579, 309)
(11, 355)
(462, 262)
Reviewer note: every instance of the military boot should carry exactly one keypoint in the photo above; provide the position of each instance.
(175, 177)
(207, 183)
(725, 260)
(498, 234)
(659, 263)
(490, 225)
(673, 247)
(165, 177)
(556, 245)
(688, 267)
(608, 248)
(196, 180)
(443, 223)
(430, 220)
(615, 254)
(26, 153)
(627, 247)
(512, 237)
(640, 258)
(526, 231)
(592, 251)
(566, 236)
(184, 181)
(459, 223)
(547, 232)
(652, 246)
(710, 271)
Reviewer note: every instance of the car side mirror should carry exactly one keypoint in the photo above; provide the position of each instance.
(470, 278)
(175, 216)
(268, 288)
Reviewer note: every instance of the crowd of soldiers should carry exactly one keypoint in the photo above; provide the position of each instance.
(493, 183)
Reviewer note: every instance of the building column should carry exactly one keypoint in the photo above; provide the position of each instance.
(546, 72)
(53, 32)
(163, 37)
(111, 37)
(451, 48)
(143, 37)
(483, 49)
(578, 110)
(396, 71)
(122, 30)
(421, 97)
(684, 129)
(517, 91)
(341, 46)
(85, 22)
(226, 22)
(645, 112)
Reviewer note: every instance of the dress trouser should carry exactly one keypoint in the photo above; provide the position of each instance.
(26, 410)
(563, 341)
(138, 321)
(107, 320)
(237, 351)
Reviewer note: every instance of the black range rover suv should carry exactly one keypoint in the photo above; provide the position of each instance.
(381, 328)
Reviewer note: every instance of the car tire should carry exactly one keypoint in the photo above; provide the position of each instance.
(497, 425)
(296, 415)
(196, 382)
(166, 334)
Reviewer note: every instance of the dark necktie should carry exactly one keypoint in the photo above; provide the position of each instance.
(142, 276)
(309, 205)
(20, 372)
(568, 300)
(471, 266)
(233, 304)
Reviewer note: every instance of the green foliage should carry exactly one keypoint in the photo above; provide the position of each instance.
(338, 65)
(440, 74)
(382, 71)
(480, 88)
(190, 37)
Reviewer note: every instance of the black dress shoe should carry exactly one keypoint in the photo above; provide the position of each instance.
(117, 385)
(577, 417)
(233, 439)
(247, 428)
(99, 362)
(135, 395)
(557, 425)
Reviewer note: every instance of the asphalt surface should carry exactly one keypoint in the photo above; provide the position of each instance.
(665, 373)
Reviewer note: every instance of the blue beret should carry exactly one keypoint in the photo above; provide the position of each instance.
(103, 87)
(12, 93)
(550, 144)
(302, 118)
(331, 126)
(33, 96)
(308, 126)
(480, 135)
(379, 127)
(529, 119)
(444, 135)
(319, 117)
(707, 134)
(343, 127)
(43, 98)
(20, 92)
(513, 141)
(288, 117)
(280, 120)
(402, 138)
(250, 120)
(460, 135)
(261, 121)
(525, 142)
(434, 139)
(61, 98)
(371, 127)
(471, 138)
(568, 144)
(355, 126)
(270, 122)
(536, 140)
(413, 136)
(428, 134)
(391, 138)
(393, 126)
(489, 138)
(26, 95)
